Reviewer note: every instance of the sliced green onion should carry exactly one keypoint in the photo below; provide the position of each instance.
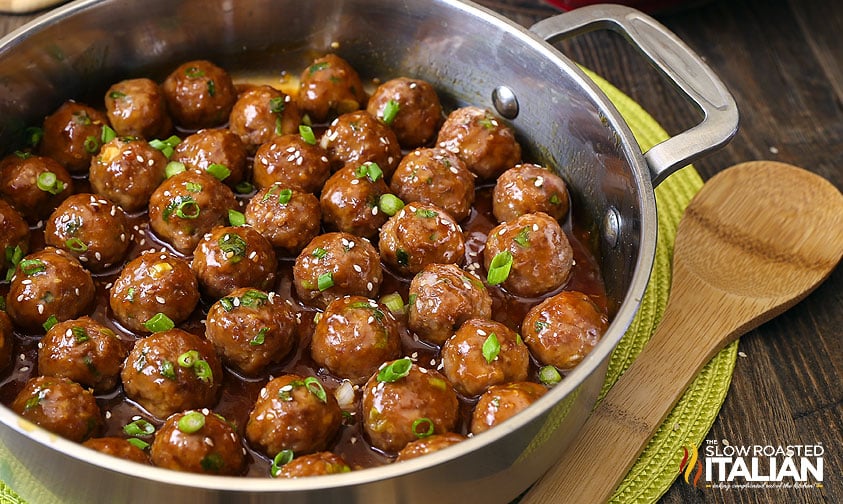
(227, 303)
(220, 171)
(390, 110)
(193, 187)
(34, 135)
(369, 169)
(402, 257)
(276, 104)
(174, 168)
(390, 204)
(189, 358)
(194, 72)
(91, 144)
(107, 134)
(491, 348)
(212, 462)
(191, 422)
(184, 207)
(499, 268)
(253, 297)
(285, 393)
(80, 334)
(284, 196)
(50, 322)
(422, 427)
(233, 246)
(395, 370)
(244, 187)
(139, 427)
(394, 302)
(167, 370)
(212, 88)
(48, 182)
(203, 371)
(319, 252)
(116, 95)
(260, 337)
(159, 322)
(325, 281)
(32, 266)
(549, 375)
(314, 386)
(425, 213)
(307, 134)
(283, 457)
(523, 238)
(76, 245)
(140, 443)
(555, 199)
(236, 218)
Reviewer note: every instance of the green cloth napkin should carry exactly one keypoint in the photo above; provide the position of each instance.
(692, 417)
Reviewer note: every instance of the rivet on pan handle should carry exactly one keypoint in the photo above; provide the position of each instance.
(677, 62)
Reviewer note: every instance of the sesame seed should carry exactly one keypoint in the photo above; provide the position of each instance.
(160, 299)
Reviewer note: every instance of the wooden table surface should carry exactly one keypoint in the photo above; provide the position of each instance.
(783, 61)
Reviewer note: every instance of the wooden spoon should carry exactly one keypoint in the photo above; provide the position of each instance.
(753, 242)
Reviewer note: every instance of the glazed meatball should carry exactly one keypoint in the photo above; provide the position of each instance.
(529, 188)
(501, 402)
(354, 336)
(334, 265)
(199, 441)
(188, 205)
(251, 329)
(199, 94)
(170, 371)
(117, 447)
(49, 285)
(483, 353)
(61, 406)
(356, 138)
(330, 86)
(288, 218)
(127, 171)
(14, 236)
(137, 108)
(261, 113)
(435, 176)
(410, 107)
(208, 147)
(233, 256)
(34, 185)
(314, 464)
(429, 444)
(84, 351)
(152, 283)
(403, 402)
(443, 296)
(293, 413)
(483, 141)
(7, 340)
(73, 135)
(350, 198)
(542, 257)
(418, 235)
(563, 329)
(291, 161)
(91, 228)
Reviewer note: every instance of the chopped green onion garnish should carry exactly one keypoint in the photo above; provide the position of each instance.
(193, 187)
(425, 213)
(220, 171)
(203, 371)
(549, 375)
(91, 144)
(390, 110)
(167, 370)
(314, 386)
(403, 257)
(76, 245)
(116, 95)
(174, 168)
(48, 182)
(50, 322)
(423, 427)
(227, 303)
(284, 196)
(554, 199)
(369, 169)
(108, 134)
(80, 334)
(189, 358)
(523, 237)
(499, 268)
(212, 88)
(395, 370)
(159, 322)
(325, 281)
(319, 252)
(276, 104)
(253, 297)
(244, 187)
(140, 443)
(32, 266)
(491, 348)
(390, 204)
(34, 135)
(139, 427)
(394, 302)
(283, 457)
(307, 135)
(233, 246)
(322, 65)
(191, 422)
(260, 337)
(236, 218)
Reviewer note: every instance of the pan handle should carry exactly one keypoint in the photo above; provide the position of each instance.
(677, 62)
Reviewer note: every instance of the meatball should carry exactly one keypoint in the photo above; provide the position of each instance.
(233, 256)
(542, 257)
(330, 86)
(199, 441)
(418, 235)
(288, 218)
(208, 147)
(61, 406)
(410, 107)
(84, 351)
(483, 353)
(199, 94)
(73, 135)
(354, 336)
(251, 329)
(7, 340)
(443, 296)
(501, 402)
(483, 141)
(529, 188)
(356, 138)
(117, 447)
(334, 265)
(435, 176)
(261, 113)
(403, 402)
(350, 198)
(562, 329)
(14, 236)
(127, 171)
(49, 285)
(293, 413)
(429, 444)
(137, 108)
(33, 185)
(291, 161)
(93, 229)
(314, 464)
(152, 283)
(170, 371)
(188, 205)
